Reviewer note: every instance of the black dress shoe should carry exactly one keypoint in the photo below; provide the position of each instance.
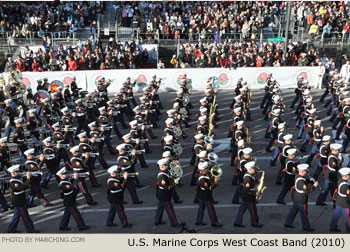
(48, 205)
(176, 225)
(45, 186)
(112, 225)
(281, 202)
(235, 202)
(65, 229)
(154, 137)
(139, 185)
(127, 225)
(268, 150)
(258, 225)
(138, 202)
(272, 164)
(146, 166)
(288, 226)
(178, 201)
(196, 201)
(160, 223)
(335, 230)
(201, 224)
(92, 203)
(84, 228)
(309, 229)
(238, 225)
(215, 202)
(216, 225)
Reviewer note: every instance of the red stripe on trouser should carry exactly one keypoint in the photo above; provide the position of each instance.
(77, 217)
(212, 213)
(26, 220)
(306, 220)
(38, 195)
(87, 195)
(347, 212)
(171, 212)
(251, 205)
(122, 214)
(132, 191)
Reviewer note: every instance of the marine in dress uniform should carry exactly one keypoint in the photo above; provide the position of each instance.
(50, 161)
(163, 194)
(18, 197)
(248, 197)
(69, 191)
(205, 185)
(300, 192)
(342, 201)
(115, 194)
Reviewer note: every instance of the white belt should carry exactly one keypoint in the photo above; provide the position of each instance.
(331, 169)
(68, 193)
(115, 191)
(17, 193)
(80, 114)
(160, 187)
(203, 188)
(290, 173)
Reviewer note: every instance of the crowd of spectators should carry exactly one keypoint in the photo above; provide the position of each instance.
(194, 20)
(245, 54)
(85, 56)
(48, 18)
(329, 19)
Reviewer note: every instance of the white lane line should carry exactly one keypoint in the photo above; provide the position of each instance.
(155, 208)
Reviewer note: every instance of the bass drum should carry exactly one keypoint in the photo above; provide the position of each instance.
(54, 85)
(41, 95)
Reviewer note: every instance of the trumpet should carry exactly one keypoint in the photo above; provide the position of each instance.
(62, 146)
(105, 127)
(141, 140)
(249, 140)
(94, 154)
(216, 172)
(80, 174)
(261, 188)
(131, 175)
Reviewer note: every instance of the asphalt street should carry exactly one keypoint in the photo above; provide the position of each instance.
(272, 215)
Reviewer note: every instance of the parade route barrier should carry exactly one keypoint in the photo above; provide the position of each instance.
(171, 78)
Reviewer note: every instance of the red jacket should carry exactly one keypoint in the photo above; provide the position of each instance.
(35, 66)
(72, 65)
(21, 66)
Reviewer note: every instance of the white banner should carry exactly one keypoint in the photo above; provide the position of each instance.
(256, 77)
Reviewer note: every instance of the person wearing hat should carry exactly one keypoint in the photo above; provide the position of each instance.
(95, 141)
(316, 140)
(115, 194)
(33, 125)
(289, 171)
(276, 120)
(237, 116)
(205, 186)
(300, 191)
(103, 122)
(240, 171)
(69, 191)
(58, 138)
(248, 196)
(45, 84)
(298, 91)
(79, 166)
(342, 201)
(266, 89)
(329, 85)
(130, 145)
(287, 144)
(80, 117)
(304, 111)
(84, 147)
(137, 132)
(67, 95)
(40, 85)
(67, 122)
(241, 144)
(322, 156)
(34, 166)
(308, 125)
(18, 187)
(343, 117)
(114, 115)
(198, 146)
(174, 194)
(338, 90)
(126, 163)
(130, 85)
(334, 163)
(271, 92)
(50, 160)
(47, 113)
(202, 126)
(11, 114)
(163, 194)
(19, 139)
(74, 88)
(279, 143)
(238, 134)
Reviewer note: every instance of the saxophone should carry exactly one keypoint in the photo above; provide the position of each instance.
(261, 188)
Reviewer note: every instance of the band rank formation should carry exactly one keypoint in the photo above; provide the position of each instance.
(294, 175)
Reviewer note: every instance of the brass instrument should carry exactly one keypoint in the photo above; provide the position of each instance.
(175, 170)
(33, 173)
(183, 113)
(261, 188)
(249, 139)
(177, 131)
(177, 149)
(131, 175)
(250, 98)
(216, 172)
(211, 116)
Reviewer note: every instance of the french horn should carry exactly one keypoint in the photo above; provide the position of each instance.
(175, 170)
(177, 149)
